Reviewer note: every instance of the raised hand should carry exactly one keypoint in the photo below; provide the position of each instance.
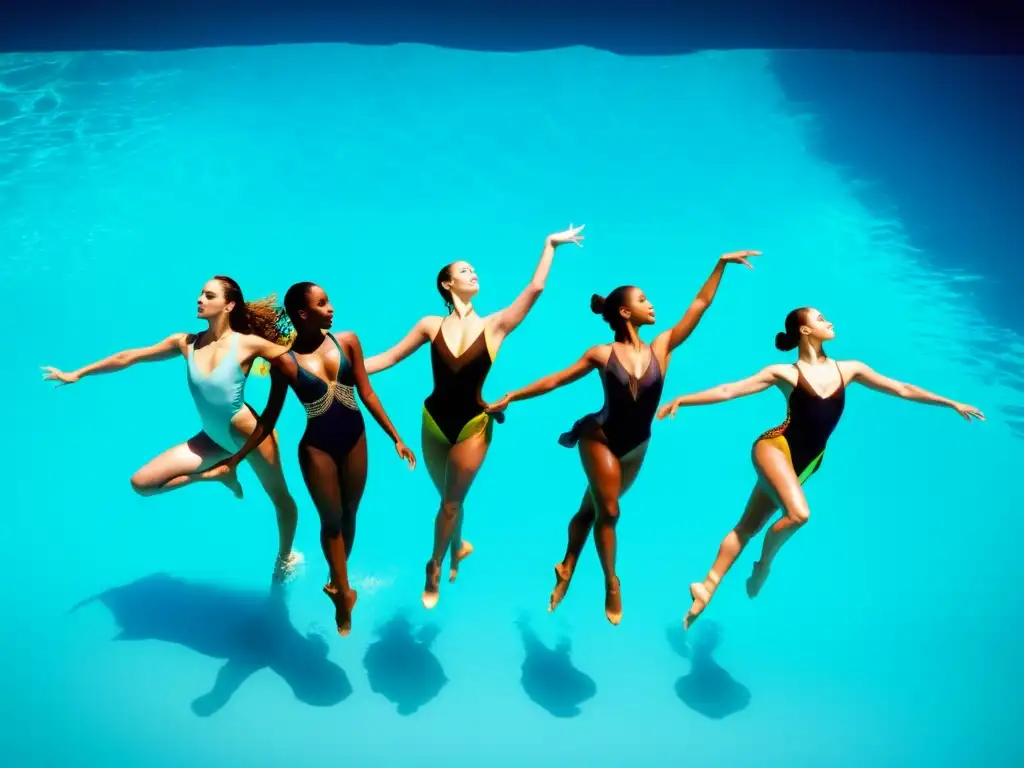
(405, 454)
(967, 411)
(52, 374)
(739, 257)
(571, 235)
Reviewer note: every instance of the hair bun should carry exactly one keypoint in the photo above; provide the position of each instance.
(597, 304)
(782, 342)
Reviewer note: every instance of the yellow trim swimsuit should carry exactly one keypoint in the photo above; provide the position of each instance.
(810, 420)
(454, 411)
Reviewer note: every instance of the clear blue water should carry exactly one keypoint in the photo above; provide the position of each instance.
(888, 634)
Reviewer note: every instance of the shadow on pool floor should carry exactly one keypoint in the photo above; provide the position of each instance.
(401, 667)
(250, 630)
(549, 677)
(708, 689)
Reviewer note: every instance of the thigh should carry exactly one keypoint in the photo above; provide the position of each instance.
(352, 474)
(321, 476)
(435, 456)
(604, 472)
(463, 463)
(630, 467)
(197, 453)
(778, 479)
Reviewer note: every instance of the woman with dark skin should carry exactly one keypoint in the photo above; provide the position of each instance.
(613, 442)
(218, 361)
(456, 427)
(323, 371)
(785, 457)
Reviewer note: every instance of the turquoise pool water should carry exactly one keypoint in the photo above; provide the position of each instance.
(888, 634)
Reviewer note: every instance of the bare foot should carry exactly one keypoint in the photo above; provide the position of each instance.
(701, 598)
(229, 477)
(563, 575)
(464, 551)
(343, 606)
(758, 576)
(430, 594)
(613, 603)
(285, 566)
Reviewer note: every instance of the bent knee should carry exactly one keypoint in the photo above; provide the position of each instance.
(143, 485)
(799, 514)
(608, 511)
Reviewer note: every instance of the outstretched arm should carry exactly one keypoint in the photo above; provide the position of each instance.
(354, 352)
(681, 331)
(163, 350)
(508, 319)
(591, 359)
(414, 339)
(863, 374)
(751, 385)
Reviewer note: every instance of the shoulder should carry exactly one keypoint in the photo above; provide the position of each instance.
(180, 341)
(598, 354)
(429, 324)
(250, 341)
(659, 344)
(346, 339)
(786, 372)
(850, 368)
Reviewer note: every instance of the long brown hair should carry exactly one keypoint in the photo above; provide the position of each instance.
(262, 317)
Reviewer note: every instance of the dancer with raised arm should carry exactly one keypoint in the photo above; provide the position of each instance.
(612, 442)
(786, 456)
(457, 430)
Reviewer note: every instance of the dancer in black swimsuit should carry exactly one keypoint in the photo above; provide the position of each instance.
(786, 456)
(332, 452)
(612, 443)
(456, 427)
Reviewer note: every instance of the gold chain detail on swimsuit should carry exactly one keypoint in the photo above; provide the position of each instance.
(343, 393)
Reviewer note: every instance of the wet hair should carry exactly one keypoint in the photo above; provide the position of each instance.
(790, 338)
(608, 308)
(262, 317)
(443, 277)
(295, 301)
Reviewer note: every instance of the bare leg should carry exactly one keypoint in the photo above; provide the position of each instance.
(321, 476)
(760, 507)
(464, 461)
(435, 456)
(579, 531)
(173, 468)
(777, 474)
(583, 522)
(266, 464)
(352, 479)
(605, 475)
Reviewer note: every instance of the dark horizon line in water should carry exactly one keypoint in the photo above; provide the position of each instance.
(627, 27)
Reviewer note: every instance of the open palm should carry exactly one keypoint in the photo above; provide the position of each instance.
(740, 257)
(571, 235)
